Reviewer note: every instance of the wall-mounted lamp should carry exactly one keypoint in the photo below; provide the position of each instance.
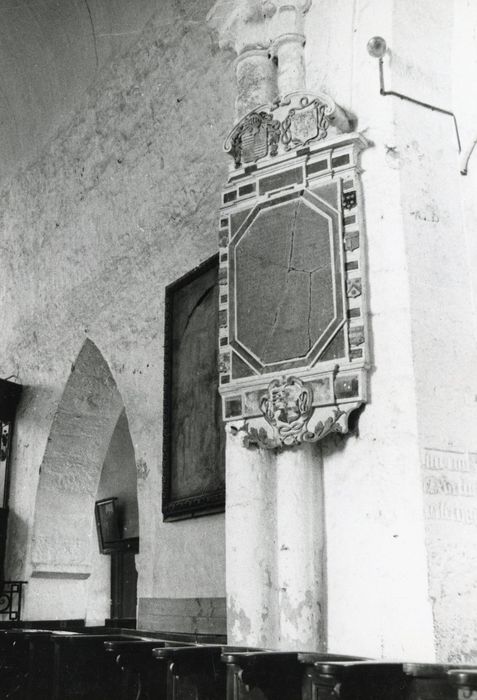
(377, 47)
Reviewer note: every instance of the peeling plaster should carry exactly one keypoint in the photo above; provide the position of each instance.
(238, 621)
(299, 616)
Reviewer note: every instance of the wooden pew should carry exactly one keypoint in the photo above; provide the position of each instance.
(376, 680)
(26, 664)
(62, 665)
(143, 679)
(311, 676)
(273, 675)
(463, 682)
(192, 672)
(262, 675)
(82, 669)
(356, 680)
(429, 682)
(13, 664)
(174, 670)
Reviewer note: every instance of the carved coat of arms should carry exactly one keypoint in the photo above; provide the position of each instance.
(287, 407)
(255, 138)
(305, 123)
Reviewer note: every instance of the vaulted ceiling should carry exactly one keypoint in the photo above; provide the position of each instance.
(50, 53)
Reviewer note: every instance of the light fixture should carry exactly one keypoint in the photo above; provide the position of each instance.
(376, 46)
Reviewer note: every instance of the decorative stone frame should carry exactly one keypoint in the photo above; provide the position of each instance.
(293, 159)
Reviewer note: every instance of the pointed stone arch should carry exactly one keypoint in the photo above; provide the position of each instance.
(70, 472)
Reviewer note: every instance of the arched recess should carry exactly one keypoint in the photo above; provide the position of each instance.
(119, 477)
(105, 597)
(70, 473)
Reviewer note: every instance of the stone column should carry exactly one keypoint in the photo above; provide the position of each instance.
(251, 543)
(259, 31)
(275, 511)
(290, 63)
(275, 547)
(244, 27)
(301, 549)
(288, 37)
(255, 80)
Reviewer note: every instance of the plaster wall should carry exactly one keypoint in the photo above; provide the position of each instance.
(51, 53)
(441, 263)
(120, 203)
(376, 559)
(400, 499)
(377, 562)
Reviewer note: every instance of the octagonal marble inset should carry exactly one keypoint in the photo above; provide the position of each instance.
(287, 299)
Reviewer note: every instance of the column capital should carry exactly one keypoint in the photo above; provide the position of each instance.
(241, 25)
(262, 30)
(254, 24)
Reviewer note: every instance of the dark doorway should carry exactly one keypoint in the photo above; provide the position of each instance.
(123, 587)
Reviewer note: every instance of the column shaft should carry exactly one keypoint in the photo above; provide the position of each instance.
(252, 604)
(301, 549)
(291, 65)
(255, 81)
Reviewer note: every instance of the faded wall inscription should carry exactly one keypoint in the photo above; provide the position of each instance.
(449, 481)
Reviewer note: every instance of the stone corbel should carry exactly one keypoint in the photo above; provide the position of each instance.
(289, 417)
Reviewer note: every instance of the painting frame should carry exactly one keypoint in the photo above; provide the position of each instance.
(210, 499)
(107, 525)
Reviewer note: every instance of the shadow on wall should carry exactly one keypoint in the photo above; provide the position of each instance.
(89, 432)
(17, 537)
(119, 477)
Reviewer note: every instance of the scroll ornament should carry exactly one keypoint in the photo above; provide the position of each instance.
(289, 123)
(288, 409)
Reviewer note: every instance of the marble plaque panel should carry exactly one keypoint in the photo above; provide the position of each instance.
(285, 285)
(294, 307)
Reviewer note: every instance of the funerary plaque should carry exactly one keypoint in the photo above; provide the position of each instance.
(292, 312)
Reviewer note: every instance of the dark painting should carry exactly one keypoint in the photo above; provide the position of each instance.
(107, 524)
(194, 438)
